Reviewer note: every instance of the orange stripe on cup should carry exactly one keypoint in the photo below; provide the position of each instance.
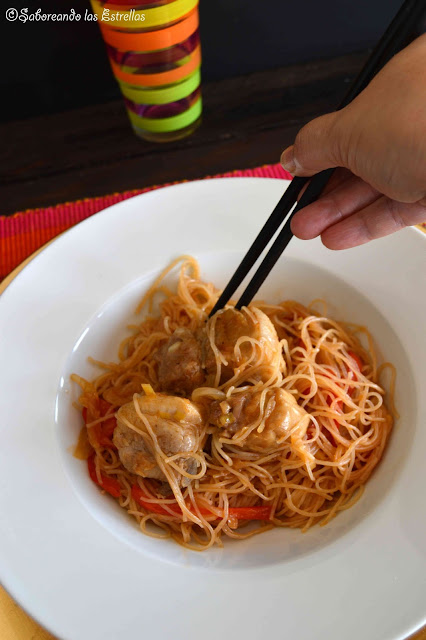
(160, 39)
(157, 79)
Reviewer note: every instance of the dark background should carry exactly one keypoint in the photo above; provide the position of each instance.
(53, 67)
(269, 66)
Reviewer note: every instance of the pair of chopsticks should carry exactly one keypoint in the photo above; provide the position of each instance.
(392, 41)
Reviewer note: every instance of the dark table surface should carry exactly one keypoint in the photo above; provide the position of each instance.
(88, 152)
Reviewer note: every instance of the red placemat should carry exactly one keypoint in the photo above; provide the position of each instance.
(26, 231)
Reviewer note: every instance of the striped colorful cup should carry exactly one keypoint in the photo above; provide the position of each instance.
(154, 50)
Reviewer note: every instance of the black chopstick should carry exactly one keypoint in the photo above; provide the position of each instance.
(264, 237)
(312, 192)
(392, 41)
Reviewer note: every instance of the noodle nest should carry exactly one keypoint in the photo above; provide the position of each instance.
(235, 490)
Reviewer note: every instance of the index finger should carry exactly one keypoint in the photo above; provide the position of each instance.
(378, 219)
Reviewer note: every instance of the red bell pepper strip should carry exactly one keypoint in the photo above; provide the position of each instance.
(351, 374)
(240, 513)
(103, 431)
(359, 363)
(250, 513)
(111, 485)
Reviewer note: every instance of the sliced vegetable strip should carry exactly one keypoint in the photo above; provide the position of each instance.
(110, 485)
(240, 513)
(101, 432)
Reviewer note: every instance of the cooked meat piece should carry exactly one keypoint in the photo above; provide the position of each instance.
(180, 370)
(283, 418)
(229, 326)
(187, 360)
(175, 422)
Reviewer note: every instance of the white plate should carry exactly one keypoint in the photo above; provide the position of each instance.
(77, 563)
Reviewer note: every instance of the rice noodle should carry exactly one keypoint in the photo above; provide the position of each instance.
(308, 478)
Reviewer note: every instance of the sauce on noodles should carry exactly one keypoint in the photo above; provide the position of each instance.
(269, 417)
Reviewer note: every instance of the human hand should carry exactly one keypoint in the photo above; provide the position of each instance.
(379, 144)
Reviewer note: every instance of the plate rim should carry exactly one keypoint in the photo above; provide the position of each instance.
(12, 276)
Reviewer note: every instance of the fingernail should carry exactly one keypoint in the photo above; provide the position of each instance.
(287, 160)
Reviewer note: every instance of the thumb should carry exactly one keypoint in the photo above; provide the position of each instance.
(317, 147)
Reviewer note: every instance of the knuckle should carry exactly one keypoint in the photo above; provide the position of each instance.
(394, 210)
(367, 228)
(336, 204)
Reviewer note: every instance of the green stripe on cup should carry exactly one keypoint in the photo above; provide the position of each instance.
(158, 125)
(162, 96)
